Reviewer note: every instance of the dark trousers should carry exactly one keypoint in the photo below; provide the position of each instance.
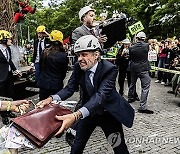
(110, 126)
(121, 79)
(37, 72)
(145, 85)
(6, 90)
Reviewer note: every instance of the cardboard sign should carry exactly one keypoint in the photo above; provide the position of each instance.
(135, 28)
(152, 55)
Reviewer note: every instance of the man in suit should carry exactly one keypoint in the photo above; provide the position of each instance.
(39, 45)
(88, 20)
(139, 67)
(6, 68)
(87, 17)
(101, 103)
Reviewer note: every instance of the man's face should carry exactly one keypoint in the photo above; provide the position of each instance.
(41, 35)
(9, 42)
(89, 19)
(126, 45)
(87, 59)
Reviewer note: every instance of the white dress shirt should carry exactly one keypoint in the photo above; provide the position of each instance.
(42, 46)
(83, 110)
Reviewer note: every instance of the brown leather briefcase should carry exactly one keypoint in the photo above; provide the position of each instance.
(39, 125)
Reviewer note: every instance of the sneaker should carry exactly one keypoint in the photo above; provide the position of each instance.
(163, 83)
(157, 81)
(145, 111)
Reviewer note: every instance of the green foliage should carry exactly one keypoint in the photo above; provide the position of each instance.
(159, 17)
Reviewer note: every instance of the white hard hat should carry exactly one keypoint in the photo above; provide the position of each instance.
(84, 10)
(87, 43)
(141, 35)
(126, 41)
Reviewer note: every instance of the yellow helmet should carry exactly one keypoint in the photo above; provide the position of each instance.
(40, 29)
(5, 35)
(56, 35)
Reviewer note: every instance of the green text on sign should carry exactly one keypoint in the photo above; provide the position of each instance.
(137, 27)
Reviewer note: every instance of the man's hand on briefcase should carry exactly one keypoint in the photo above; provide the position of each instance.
(68, 120)
(44, 102)
(102, 38)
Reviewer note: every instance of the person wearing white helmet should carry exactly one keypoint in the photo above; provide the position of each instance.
(139, 67)
(101, 104)
(88, 19)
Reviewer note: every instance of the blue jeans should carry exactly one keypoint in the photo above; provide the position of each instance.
(161, 64)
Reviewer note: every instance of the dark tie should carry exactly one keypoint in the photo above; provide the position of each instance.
(7, 55)
(89, 86)
(92, 32)
(40, 49)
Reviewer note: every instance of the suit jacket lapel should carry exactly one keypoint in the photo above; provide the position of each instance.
(2, 55)
(86, 30)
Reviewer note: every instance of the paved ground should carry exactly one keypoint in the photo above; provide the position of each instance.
(151, 134)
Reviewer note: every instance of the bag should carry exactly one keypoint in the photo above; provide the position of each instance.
(40, 125)
(115, 30)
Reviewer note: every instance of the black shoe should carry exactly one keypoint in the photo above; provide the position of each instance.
(59, 135)
(131, 100)
(70, 138)
(146, 111)
(170, 92)
(11, 115)
(168, 85)
(5, 120)
(179, 104)
(137, 98)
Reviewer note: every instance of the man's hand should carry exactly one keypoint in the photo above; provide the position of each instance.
(102, 38)
(68, 120)
(44, 102)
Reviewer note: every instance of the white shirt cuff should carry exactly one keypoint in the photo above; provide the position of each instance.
(84, 112)
(56, 97)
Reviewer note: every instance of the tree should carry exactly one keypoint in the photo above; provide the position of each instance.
(6, 18)
(160, 18)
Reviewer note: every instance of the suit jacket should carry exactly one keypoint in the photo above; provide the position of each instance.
(81, 31)
(53, 72)
(46, 44)
(4, 66)
(138, 55)
(105, 95)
